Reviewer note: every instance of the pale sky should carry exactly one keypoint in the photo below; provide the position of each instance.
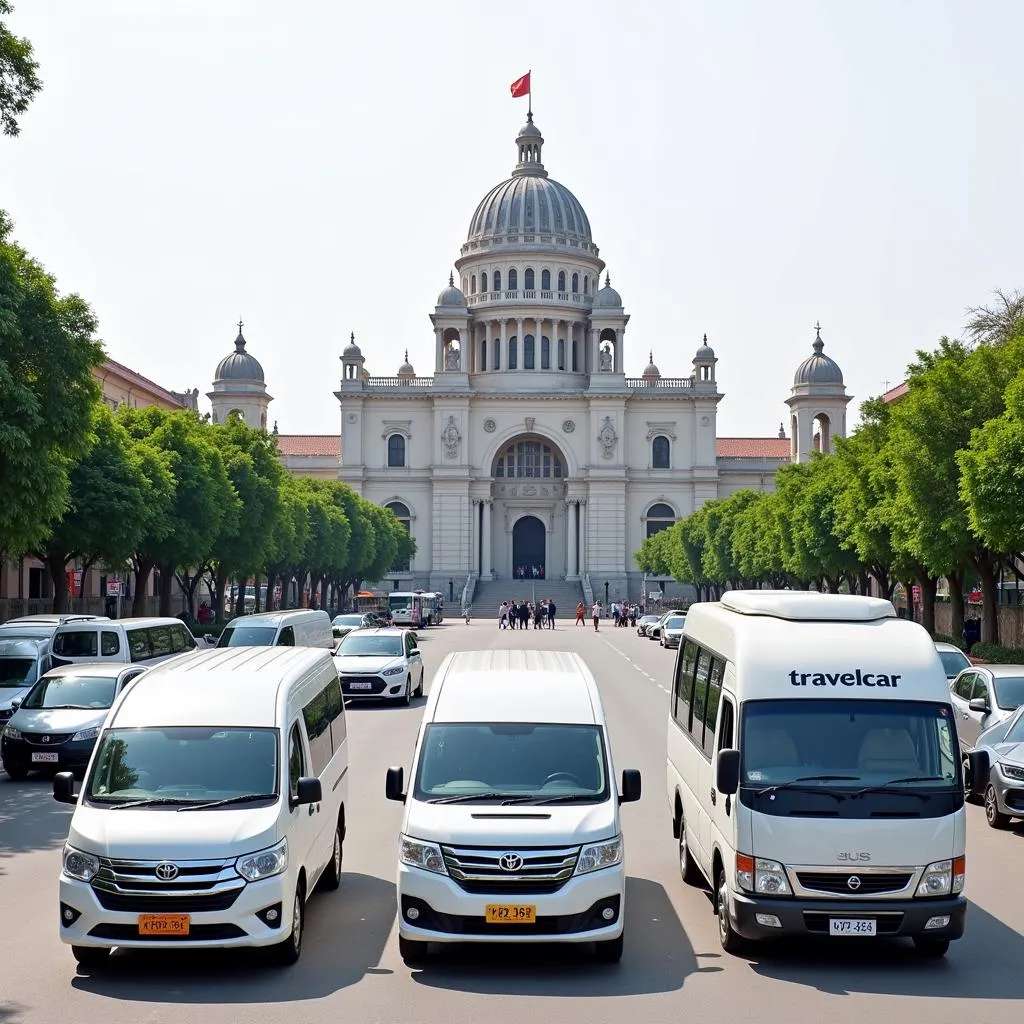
(747, 167)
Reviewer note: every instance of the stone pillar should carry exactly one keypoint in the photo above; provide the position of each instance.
(520, 347)
(503, 345)
(593, 356)
(581, 514)
(474, 552)
(485, 569)
(619, 360)
(438, 350)
(572, 567)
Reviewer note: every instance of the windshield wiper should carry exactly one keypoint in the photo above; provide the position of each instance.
(796, 784)
(66, 707)
(466, 797)
(240, 799)
(147, 802)
(568, 798)
(890, 786)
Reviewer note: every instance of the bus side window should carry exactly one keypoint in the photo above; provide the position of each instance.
(726, 725)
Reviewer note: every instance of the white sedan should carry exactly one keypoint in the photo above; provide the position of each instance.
(380, 664)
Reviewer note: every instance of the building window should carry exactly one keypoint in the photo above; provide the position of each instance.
(659, 517)
(472, 284)
(528, 459)
(545, 280)
(528, 279)
(513, 361)
(528, 354)
(497, 280)
(483, 354)
(396, 450)
(660, 452)
(401, 512)
(496, 347)
(575, 284)
(513, 280)
(561, 280)
(561, 353)
(545, 354)
(586, 284)
(483, 281)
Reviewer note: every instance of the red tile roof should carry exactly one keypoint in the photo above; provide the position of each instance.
(897, 392)
(133, 377)
(752, 447)
(310, 445)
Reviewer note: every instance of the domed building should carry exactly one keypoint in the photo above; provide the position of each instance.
(817, 403)
(239, 387)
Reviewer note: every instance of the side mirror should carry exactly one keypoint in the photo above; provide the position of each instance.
(309, 791)
(414, 650)
(727, 773)
(631, 787)
(64, 788)
(979, 704)
(394, 785)
(978, 768)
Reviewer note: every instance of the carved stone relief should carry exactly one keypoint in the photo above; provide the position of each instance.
(667, 429)
(451, 438)
(607, 438)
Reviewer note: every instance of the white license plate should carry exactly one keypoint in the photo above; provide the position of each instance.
(45, 756)
(360, 686)
(852, 926)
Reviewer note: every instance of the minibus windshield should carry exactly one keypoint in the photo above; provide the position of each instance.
(247, 636)
(184, 766)
(511, 762)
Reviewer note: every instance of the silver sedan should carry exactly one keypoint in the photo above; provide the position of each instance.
(1004, 791)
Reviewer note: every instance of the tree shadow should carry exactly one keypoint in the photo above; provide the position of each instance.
(346, 933)
(12, 1013)
(984, 964)
(658, 958)
(30, 819)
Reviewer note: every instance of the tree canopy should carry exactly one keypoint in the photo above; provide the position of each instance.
(19, 81)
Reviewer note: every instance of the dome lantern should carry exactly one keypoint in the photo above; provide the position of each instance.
(406, 369)
(607, 297)
(817, 401)
(652, 373)
(239, 365)
(239, 387)
(818, 368)
(452, 296)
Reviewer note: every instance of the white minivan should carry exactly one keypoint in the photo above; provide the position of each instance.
(213, 804)
(511, 829)
(145, 641)
(813, 770)
(301, 627)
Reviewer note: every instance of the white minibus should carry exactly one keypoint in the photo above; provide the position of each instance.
(511, 830)
(813, 770)
(301, 627)
(213, 804)
(121, 641)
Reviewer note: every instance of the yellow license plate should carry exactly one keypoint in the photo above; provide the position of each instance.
(510, 913)
(164, 924)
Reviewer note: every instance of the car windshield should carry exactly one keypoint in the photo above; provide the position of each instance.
(675, 622)
(183, 765)
(75, 643)
(371, 646)
(1009, 692)
(1015, 734)
(348, 620)
(17, 672)
(865, 742)
(84, 692)
(528, 762)
(953, 662)
(247, 636)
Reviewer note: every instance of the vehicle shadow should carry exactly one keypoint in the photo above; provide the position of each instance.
(12, 1013)
(393, 706)
(30, 819)
(658, 958)
(346, 933)
(984, 964)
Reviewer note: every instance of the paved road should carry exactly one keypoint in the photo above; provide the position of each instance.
(673, 968)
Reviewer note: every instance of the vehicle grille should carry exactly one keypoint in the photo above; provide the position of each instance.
(376, 687)
(838, 883)
(540, 870)
(52, 739)
(133, 886)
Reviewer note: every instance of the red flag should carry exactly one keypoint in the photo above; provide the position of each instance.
(521, 86)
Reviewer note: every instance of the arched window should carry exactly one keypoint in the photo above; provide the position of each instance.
(513, 280)
(575, 284)
(528, 355)
(472, 285)
(561, 280)
(575, 356)
(659, 517)
(401, 512)
(586, 284)
(545, 280)
(660, 452)
(528, 459)
(238, 414)
(561, 353)
(528, 279)
(497, 280)
(483, 354)
(513, 361)
(483, 281)
(465, 285)
(263, 420)
(396, 450)
(545, 354)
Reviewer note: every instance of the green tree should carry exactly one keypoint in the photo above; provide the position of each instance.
(48, 351)
(288, 541)
(19, 82)
(998, 323)
(718, 558)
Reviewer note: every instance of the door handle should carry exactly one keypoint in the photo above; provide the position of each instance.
(714, 796)
(311, 810)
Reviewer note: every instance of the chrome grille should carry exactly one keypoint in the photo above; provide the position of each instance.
(850, 883)
(46, 739)
(500, 870)
(136, 886)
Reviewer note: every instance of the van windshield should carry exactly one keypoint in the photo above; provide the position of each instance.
(247, 636)
(82, 692)
(17, 672)
(512, 762)
(184, 765)
(75, 643)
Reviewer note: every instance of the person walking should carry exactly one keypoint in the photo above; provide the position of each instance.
(596, 611)
(581, 613)
(551, 614)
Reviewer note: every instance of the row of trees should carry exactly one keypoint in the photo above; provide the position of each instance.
(928, 487)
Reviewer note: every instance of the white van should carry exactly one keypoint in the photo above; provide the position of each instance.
(213, 804)
(121, 641)
(23, 660)
(813, 770)
(511, 829)
(303, 627)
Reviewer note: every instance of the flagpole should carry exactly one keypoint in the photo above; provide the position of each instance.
(529, 95)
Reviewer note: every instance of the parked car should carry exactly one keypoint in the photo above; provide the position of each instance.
(342, 625)
(954, 661)
(672, 631)
(22, 661)
(380, 664)
(654, 632)
(984, 696)
(1004, 790)
(644, 623)
(41, 627)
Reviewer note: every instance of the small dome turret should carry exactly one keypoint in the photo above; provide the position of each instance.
(652, 370)
(818, 368)
(705, 352)
(239, 365)
(607, 297)
(352, 350)
(406, 369)
(452, 296)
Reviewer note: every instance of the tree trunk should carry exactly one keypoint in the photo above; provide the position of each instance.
(258, 606)
(956, 604)
(143, 569)
(881, 576)
(928, 585)
(989, 599)
(223, 572)
(57, 564)
(239, 596)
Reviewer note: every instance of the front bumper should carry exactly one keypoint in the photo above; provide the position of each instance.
(70, 754)
(575, 913)
(1009, 794)
(379, 688)
(810, 918)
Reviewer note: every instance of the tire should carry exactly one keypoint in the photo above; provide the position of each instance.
(730, 940)
(331, 878)
(610, 951)
(286, 953)
(419, 689)
(994, 816)
(688, 869)
(18, 773)
(407, 696)
(932, 949)
(412, 951)
(90, 956)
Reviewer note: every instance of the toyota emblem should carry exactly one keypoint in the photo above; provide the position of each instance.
(510, 862)
(166, 872)
(853, 883)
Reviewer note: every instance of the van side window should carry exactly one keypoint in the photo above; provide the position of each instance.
(728, 725)
(110, 643)
(160, 641)
(138, 644)
(684, 683)
(78, 643)
(296, 762)
(714, 699)
(287, 637)
(318, 730)
(700, 693)
(181, 639)
(336, 713)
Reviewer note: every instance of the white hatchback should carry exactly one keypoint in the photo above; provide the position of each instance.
(380, 664)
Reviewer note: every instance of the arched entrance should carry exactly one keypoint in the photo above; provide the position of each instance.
(529, 549)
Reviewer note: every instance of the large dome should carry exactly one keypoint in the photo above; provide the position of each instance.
(818, 368)
(239, 365)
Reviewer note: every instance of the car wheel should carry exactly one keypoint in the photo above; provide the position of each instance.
(412, 951)
(407, 696)
(18, 773)
(930, 948)
(610, 951)
(687, 865)
(331, 878)
(731, 941)
(419, 689)
(288, 952)
(993, 815)
(90, 956)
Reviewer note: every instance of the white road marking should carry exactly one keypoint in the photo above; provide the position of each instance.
(636, 667)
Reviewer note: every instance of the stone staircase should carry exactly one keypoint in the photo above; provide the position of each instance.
(489, 594)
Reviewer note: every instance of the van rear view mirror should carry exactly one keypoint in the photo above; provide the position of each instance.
(631, 787)
(309, 791)
(394, 784)
(64, 788)
(727, 778)
(978, 768)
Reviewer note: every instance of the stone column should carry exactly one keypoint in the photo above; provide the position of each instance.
(502, 345)
(475, 535)
(594, 353)
(572, 567)
(485, 569)
(581, 513)
(438, 349)
(520, 347)
(619, 361)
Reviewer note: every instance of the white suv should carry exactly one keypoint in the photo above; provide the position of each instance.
(380, 664)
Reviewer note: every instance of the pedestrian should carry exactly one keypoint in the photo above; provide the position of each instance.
(551, 614)
(581, 612)
(597, 615)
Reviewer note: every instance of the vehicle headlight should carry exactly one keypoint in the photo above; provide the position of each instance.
(600, 855)
(264, 864)
(87, 734)
(1009, 771)
(11, 733)
(943, 877)
(418, 854)
(395, 670)
(83, 866)
(765, 877)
